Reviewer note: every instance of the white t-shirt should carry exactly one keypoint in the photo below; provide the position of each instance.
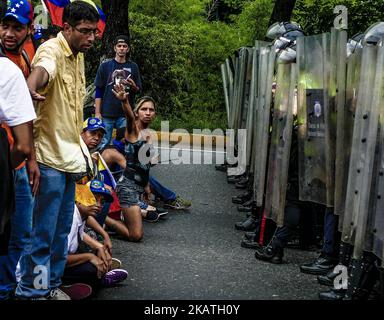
(77, 230)
(16, 105)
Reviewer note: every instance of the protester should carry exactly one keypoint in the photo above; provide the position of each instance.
(16, 111)
(93, 268)
(15, 29)
(110, 73)
(57, 82)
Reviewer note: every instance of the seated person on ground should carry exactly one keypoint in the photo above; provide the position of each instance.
(93, 268)
(114, 157)
(92, 135)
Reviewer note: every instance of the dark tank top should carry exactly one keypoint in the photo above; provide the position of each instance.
(136, 170)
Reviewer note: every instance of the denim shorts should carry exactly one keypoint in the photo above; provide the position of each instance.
(128, 192)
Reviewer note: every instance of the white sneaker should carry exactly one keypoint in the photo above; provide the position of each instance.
(57, 294)
(116, 264)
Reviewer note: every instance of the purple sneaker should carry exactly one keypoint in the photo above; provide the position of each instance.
(114, 276)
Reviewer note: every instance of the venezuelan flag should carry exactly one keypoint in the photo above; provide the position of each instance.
(105, 174)
(55, 9)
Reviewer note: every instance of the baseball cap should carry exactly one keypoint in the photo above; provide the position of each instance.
(92, 124)
(97, 186)
(21, 10)
(121, 38)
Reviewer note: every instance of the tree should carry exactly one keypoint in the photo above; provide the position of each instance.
(117, 23)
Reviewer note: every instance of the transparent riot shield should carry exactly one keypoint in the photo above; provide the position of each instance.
(315, 124)
(251, 109)
(359, 186)
(251, 135)
(240, 88)
(375, 236)
(338, 73)
(224, 76)
(345, 121)
(280, 145)
(244, 104)
(230, 68)
(374, 233)
(238, 74)
(266, 71)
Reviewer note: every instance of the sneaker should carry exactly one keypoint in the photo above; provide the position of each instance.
(161, 212)
(57, 294)
(114, 276)
(151, 216)
(77, 291)
(178, 204)
(116, 264)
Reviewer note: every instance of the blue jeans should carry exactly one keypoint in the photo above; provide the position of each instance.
(21, 226)
(43, 261)
(160, 191)
(111, 123)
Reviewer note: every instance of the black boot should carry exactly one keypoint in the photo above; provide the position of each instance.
(332, 294)
(241, 198)
(273, 252)
(249, 235)
(221, 167)
(328, 279)
(362, 277)
(234, 179)
(322, 265)
(346, 251)
(247, 225)
(247, 207)
(242, 183)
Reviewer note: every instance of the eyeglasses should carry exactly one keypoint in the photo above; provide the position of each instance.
(88, 32)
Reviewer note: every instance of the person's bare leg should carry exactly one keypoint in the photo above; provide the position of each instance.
(134, 223)
(112, 156)
(117, 226)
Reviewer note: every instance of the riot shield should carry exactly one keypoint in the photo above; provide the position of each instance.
(315, 125)
(377, 205)
(240, 88)
(345, 121)
(244, 105)
(251, 107)
(364, 139)
(337, 84)
(238, 74)
(224, 76)
(374, 240)
(251, 135)
(266, 71)
(280, 144)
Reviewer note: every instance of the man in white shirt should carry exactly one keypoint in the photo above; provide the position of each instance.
(16, 110)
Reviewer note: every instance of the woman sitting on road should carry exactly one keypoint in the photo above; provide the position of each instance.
(135, 179)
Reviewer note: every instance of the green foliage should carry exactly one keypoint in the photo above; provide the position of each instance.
(252, 23)
(180, 66)
(316, 18)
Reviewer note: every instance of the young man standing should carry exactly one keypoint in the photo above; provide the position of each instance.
(57, 82)
(110, 73)
(15, 29)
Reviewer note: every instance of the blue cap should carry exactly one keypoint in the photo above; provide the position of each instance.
(98, 186)
(21, 10)
(92, 124)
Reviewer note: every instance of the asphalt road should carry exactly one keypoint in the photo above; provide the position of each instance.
(197, 254)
